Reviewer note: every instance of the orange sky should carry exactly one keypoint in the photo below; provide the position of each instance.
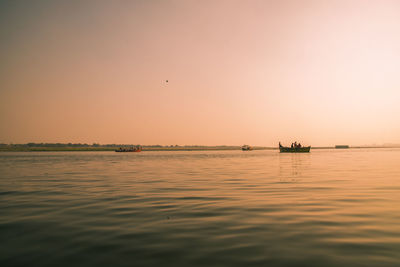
(254, 72)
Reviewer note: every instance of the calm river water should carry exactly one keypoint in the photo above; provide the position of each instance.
(208, 208)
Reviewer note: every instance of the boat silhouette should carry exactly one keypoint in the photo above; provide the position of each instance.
(294, 149)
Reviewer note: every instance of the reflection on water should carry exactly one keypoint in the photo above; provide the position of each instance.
(217, 208)
(293, 165)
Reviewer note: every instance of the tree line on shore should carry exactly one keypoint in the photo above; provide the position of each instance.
(75, 145)
(28, 145)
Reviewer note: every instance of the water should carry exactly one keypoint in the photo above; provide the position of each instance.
(211, 208)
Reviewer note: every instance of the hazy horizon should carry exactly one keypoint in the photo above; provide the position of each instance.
(321, 73)
(90, 144)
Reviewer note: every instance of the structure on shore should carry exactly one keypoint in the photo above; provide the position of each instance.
(342, 146)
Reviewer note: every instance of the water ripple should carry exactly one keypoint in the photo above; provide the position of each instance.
(200, 208)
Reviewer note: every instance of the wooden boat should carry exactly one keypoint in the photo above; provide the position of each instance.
(137, 148)
(303, 149)
(247, 148)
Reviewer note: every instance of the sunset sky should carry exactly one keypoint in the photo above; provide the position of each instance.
(239, 72)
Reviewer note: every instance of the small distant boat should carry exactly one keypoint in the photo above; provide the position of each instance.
(247, 148)
(303, 149)
(137, 148)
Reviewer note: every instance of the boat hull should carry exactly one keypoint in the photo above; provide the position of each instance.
(295, 149)
(247, 148)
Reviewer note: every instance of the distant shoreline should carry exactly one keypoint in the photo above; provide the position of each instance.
(145, 148)
(84, 147)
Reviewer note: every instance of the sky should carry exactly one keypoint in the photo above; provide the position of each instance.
(239, 72)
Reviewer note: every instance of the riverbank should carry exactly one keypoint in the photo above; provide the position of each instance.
(23, 148)
(95, 147)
